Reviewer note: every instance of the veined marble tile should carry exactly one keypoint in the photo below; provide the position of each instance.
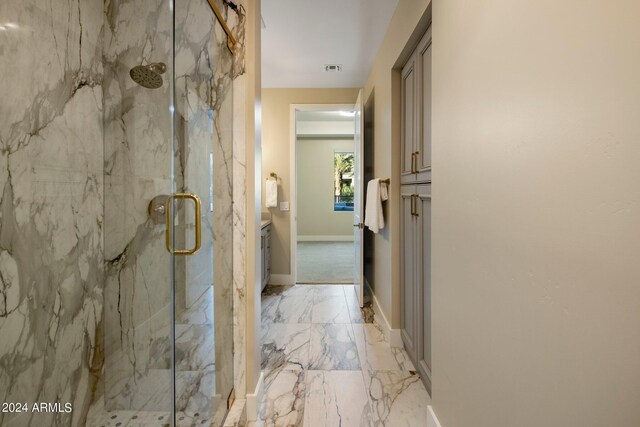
(195, 393)
(326, 289)
(237, 416)
(284, 399)
(333, 347)
(398, 398)
(356, 313)
(269, 307)
(374, 350)
(295, 306)
(329, 308)
(240, 227)
(285, 346)
(336, 398)
(194, 347)
(198, 313)
(51, 206)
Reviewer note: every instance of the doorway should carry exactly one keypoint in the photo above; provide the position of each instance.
(324, 203)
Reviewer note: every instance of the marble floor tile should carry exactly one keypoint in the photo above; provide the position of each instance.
(336, 398)
(374, 351)
(398, 398)
(294, 306)
(284, 399)
(333, 347)
(285, 346)
(330, 308)
(356, 313)
(269, 307)
(327, 289)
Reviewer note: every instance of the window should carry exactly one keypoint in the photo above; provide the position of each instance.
(342, 181)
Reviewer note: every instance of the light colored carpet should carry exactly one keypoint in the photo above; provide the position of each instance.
(325, 262)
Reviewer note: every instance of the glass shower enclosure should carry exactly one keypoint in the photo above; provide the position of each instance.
(115, 213)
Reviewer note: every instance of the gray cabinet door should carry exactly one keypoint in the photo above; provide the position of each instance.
(267, 255)
(408, 119)
(423, 149)
(262, 276)
(423, 233)
(408, 289)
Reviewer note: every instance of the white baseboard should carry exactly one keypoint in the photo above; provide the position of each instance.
(282, 279)
(392, 335)
(253, 400)
(432, 420)
(348, 238)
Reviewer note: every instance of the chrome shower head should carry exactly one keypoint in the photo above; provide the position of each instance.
(149, 76)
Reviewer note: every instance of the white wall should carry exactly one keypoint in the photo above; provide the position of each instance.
(315, 189)
(536, 213)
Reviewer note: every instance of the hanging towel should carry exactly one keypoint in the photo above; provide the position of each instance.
(373, 217)
(271, 193)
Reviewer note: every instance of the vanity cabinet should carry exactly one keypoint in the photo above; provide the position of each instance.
(416, 115)
(265, 246)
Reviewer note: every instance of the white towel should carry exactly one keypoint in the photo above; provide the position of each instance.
(373, 216)
(271, 193)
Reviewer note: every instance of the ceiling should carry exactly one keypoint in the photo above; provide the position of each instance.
(299, 37)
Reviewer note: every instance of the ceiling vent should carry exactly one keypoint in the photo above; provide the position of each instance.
(333, 68)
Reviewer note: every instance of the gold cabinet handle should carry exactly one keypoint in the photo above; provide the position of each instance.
(414, 205)
(198, 205)
(414, 162)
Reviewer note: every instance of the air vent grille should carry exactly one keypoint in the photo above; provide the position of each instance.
(333, 68)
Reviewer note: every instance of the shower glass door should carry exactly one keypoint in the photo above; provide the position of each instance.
(168, 147)
(140, 155)
(201, 232)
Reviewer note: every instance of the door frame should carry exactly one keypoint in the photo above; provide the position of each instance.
(293, 161)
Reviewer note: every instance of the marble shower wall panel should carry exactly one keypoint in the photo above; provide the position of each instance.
(51, 206)
(137, 167)
(239, 174)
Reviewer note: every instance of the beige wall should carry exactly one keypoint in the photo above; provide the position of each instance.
(275, 156)
(387, 144)
(315, 189)
(536, 213)
(247, 200)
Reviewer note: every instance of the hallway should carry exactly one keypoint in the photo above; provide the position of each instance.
(325, 363)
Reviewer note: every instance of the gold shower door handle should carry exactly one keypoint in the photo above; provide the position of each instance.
(198, 206)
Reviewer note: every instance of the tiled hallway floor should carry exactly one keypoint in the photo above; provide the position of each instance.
(324, 365)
